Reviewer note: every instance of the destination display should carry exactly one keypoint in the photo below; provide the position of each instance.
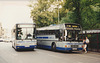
(72, 27)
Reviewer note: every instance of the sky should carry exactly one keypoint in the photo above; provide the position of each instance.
(12, 12)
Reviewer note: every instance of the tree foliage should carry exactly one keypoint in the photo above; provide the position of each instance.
(90, 13)
(41, 14)
(84, 12)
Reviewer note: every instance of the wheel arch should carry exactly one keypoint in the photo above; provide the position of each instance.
(53, 43)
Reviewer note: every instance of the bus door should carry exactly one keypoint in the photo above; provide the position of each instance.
(65, 34)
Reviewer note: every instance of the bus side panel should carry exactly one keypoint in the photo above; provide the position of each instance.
(44, 44)
(45, 41)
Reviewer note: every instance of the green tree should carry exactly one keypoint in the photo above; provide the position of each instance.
(84, 12)
(74, 6)
(90, 13)
(68, 18)
(42, 14)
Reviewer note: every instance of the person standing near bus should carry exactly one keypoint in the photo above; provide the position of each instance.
(85, 45)
(87, 42)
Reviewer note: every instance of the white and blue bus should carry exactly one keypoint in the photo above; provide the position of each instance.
(63, 37)
(23, 35)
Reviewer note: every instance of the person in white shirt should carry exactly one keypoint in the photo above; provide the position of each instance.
(85, 45)
(87, 41)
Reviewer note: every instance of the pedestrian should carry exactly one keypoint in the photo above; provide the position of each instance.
(87, 42)
(84, 45)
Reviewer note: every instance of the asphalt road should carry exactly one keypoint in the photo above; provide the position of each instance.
(9, 55)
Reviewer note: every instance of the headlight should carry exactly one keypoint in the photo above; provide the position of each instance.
(67, 45)
(17, 44)
(80, 46)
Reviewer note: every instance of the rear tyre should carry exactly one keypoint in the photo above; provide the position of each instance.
(33, 49)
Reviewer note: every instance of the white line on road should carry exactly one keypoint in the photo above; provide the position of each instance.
(49, 55)
(14, 54)
(79, 62)
(89, 57)
(54, 56)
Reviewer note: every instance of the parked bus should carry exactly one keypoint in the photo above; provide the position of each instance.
(63, 37)
(23, 36)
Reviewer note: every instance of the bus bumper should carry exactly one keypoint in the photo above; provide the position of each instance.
(23, 47)
(67, 49)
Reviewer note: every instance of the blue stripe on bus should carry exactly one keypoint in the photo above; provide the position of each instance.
(42, 37)
(74, 43)
(61, 48)
(80, 48)
(22, 47)
(44, 46)
(58, 48)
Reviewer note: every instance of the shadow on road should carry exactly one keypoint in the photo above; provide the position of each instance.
(64, 52)
(26, 50)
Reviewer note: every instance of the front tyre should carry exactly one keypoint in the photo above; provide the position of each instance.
(16, 49)
(33, 49)
(12, 46)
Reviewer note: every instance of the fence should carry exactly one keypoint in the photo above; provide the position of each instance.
(94, 37)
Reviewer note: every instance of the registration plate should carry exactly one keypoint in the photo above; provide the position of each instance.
(26, 45)
(74, 48)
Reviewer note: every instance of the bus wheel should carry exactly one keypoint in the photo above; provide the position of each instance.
(16, 49)
(33, 49)
(12, 46)
(54, 47)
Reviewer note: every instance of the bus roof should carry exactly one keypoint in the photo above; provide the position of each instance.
(25, 23)
(90, 31)
(56, 27)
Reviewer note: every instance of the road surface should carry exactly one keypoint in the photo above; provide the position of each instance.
(9, 55)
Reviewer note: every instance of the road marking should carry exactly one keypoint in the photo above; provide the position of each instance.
(40, 52)
(54, 56)
(79, 62)
(89, 57)
(78, 55)
(49, 55)
(14, 54)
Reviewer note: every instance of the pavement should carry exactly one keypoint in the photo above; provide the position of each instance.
(9, 55)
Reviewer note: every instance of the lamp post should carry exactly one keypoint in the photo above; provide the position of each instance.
(58, 13)
(58, 6)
